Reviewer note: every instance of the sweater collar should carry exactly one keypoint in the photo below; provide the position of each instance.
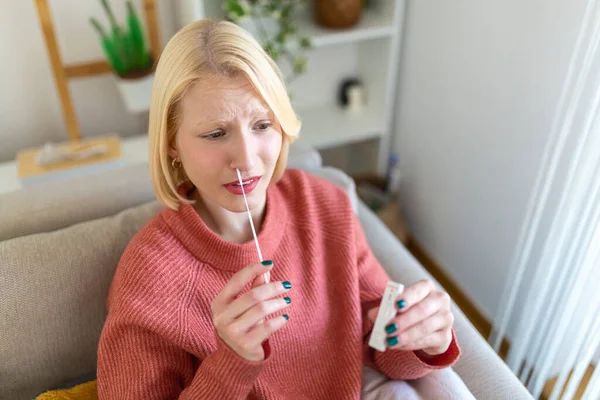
(210, 248)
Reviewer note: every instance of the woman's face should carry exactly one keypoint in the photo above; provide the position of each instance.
(226, 125)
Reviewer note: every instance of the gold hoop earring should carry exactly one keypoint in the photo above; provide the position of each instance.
(176, 164)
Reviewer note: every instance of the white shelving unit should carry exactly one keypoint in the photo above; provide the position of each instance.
(368, 51)
(330, 126)
(372, 25)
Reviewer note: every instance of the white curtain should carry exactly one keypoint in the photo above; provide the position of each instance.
(556, 268)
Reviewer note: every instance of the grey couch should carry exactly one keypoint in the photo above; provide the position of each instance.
(59, 246)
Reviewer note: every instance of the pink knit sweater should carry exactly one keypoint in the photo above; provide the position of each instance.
(159, 341)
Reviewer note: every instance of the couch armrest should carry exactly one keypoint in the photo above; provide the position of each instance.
(482, 370)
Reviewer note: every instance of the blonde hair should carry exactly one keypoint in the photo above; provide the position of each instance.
(201, 49)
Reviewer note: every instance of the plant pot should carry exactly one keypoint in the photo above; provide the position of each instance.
(136, 90)
(338, 13)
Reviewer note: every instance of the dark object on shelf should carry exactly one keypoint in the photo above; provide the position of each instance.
(351, 93)
(338, 13)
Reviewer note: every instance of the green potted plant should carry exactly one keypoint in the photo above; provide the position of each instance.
(272, 23)
(125, 49)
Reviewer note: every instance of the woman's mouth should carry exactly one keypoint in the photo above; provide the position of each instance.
(248, 185)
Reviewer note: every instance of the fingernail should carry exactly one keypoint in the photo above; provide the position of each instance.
(267, 263)
(287, 300)
(401, 303)
(286, 317)
(392, 341)
(287, 285)
(391, 328)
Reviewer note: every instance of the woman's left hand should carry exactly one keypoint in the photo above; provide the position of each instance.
(424, 320)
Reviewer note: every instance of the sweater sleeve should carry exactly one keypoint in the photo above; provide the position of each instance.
(143, 352)
(395, 364)
(136, 363)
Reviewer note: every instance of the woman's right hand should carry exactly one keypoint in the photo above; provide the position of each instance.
(241, 322)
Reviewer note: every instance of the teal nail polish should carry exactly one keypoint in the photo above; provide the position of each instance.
(391, 328)
(401, 303)
(267, 263)
(287, 285)
(286, 317)
(287, 300)
(392, 341)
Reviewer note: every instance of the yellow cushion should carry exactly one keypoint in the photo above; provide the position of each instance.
(85, 391)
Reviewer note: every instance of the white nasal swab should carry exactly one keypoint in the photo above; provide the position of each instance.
(267, 275)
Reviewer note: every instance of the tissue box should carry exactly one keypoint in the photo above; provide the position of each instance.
(29, 172)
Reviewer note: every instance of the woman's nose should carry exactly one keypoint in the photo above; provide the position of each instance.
(243, 153)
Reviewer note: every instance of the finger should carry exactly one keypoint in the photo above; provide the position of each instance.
(439, 340)
(407, 339)
(432, 304)
(237, 283)
(262, 331)
(372, 314)
(251, 298)
(414, 294)
(441, 320)
(261, 279)
(258, 313)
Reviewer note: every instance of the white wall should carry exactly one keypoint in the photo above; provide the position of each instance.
(478, 89)
(30, 112)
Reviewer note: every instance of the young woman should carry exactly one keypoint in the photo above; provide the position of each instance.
(190, 314)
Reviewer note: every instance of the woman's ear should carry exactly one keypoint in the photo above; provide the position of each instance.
(172, 151)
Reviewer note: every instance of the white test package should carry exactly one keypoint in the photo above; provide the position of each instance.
(387, 311)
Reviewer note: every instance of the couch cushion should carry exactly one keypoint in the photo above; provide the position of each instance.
(55, 205)
(54, 287)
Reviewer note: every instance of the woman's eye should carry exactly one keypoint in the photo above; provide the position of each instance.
(263, 126)
(214, 135)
